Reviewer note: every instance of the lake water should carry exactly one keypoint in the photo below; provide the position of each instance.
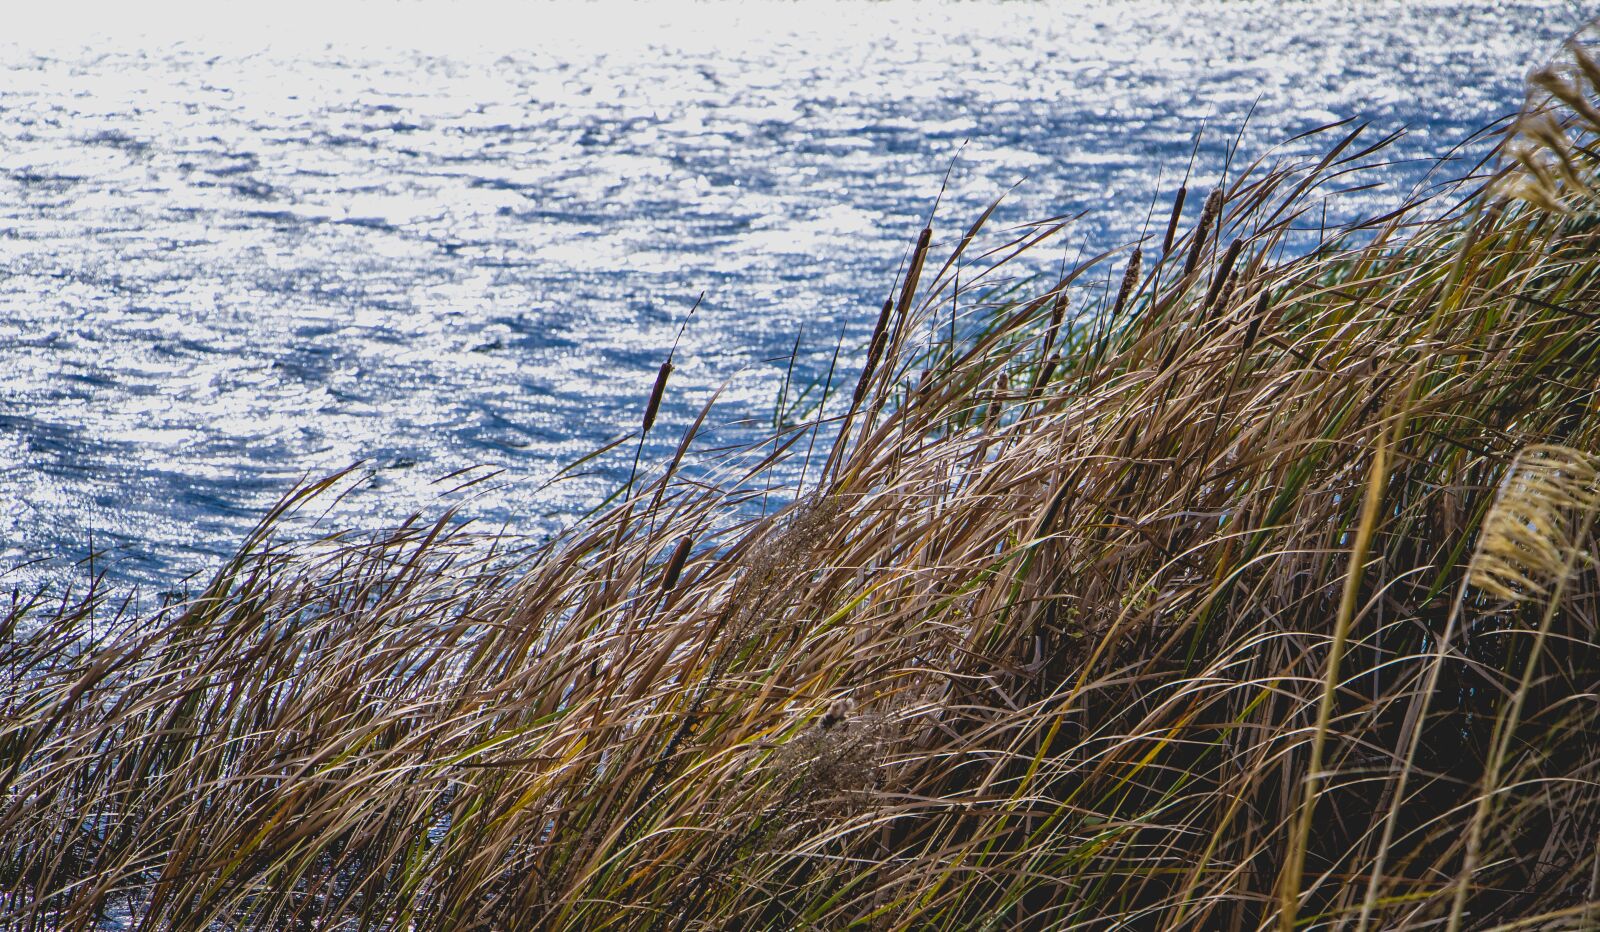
(428, 237)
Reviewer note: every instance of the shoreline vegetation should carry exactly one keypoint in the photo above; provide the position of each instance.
(1250, 589)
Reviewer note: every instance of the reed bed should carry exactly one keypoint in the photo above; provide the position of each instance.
(1212, 584)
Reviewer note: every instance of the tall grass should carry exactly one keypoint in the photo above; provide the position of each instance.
(1139, 599)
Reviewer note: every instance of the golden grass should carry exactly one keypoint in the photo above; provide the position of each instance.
(1152, 615)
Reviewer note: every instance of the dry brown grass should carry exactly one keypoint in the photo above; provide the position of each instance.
(1153, 615)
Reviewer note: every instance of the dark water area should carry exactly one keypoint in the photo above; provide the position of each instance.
(237, 254)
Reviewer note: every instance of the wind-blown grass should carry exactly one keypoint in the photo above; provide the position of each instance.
(1152, 611)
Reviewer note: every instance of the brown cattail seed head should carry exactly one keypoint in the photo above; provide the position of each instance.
(1058, 311)
(1130, 280)
(1227, 289)
(880, 330)
(918, 257)
(1202, 230)
(655, 396)
(1172, 224)
(680, 555)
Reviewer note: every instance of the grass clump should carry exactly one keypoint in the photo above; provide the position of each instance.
(1256, 592)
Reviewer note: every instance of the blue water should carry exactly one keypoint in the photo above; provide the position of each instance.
(433, 237)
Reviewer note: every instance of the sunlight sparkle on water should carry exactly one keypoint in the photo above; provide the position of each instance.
(244, 248)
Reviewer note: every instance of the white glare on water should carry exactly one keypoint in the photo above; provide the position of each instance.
(242, 243)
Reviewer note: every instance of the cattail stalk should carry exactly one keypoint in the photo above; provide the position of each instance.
(1172, 223)
(908, 289)
(650, 410)
(1002, 388)
(1130, 280)
(1224, 299)
(680, 555)
(1220, 279)
(880, 333)
(660, 389)
(1202, 230)
(914, 272)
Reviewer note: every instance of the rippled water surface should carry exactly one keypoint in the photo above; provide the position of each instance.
(433, 237)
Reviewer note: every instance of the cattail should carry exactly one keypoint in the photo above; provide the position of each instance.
(1250, 332)
(1227, 289)
(1130, 279)
(880, 333)
(914, 272)
(680, 555)
(655, 396)
(1172, 224)
(1202, 230)
(1058, 311)
(880, 330)
(1220, 279)
(919, 255)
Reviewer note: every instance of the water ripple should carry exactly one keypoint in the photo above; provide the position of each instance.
(237, 253)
